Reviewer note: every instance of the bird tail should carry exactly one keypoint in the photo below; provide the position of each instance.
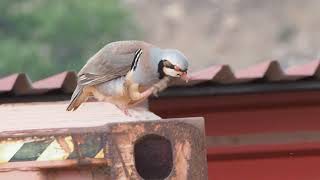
(77, 98)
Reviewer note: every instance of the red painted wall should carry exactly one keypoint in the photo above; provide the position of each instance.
(249, 116)
(279, 168)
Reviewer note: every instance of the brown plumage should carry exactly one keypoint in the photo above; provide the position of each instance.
(112, 61)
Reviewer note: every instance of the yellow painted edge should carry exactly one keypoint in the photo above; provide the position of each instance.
(55, 152)
(8, 150)
(100, 154)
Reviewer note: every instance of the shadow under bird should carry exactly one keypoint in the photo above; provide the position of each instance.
(126, 73)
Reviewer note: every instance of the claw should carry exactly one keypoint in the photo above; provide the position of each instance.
(185, 77)
(155, 91)
(124, 110)
(155, 94)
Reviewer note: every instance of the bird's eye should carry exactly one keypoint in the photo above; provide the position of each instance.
(184, 70)
(171, 66)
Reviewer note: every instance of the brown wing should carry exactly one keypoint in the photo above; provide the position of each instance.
(112, 61)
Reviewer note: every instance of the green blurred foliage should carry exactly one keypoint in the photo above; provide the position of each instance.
(43, 37)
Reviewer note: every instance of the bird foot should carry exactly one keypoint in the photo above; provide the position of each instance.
(124, 110)
(147, 93)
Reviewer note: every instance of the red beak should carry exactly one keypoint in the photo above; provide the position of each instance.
(185, 77)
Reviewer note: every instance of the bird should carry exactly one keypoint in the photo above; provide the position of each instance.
(125, 73)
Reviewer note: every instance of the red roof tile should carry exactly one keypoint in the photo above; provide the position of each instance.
(257, 71)
(207, 74)
(7, 83)
(20, 84)
(65, 81)
(220, 73)
(305, 70)
(269, 71)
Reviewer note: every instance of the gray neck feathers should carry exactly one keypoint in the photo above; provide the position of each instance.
(155, 56)
(150, 75)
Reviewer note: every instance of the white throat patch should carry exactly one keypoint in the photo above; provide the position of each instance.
(171, 72)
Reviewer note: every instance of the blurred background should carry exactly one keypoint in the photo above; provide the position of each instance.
(44, 37)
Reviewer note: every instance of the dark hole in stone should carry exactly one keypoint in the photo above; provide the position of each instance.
(153, 157)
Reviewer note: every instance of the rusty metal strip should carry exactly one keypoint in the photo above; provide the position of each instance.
(27, 165)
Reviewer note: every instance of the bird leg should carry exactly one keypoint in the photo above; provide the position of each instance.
(145, 96)
(138, 97)
(133, 92)
(135, 95)
(161, 85)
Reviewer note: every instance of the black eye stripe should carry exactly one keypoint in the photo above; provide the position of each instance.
(170, 66)
(167, 64)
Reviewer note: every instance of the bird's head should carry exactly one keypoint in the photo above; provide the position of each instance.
(173, 63)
